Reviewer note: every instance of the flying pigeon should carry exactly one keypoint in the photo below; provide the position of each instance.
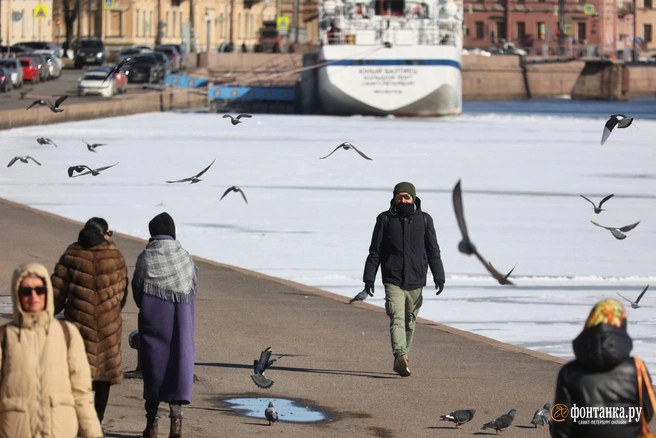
(22, 160)
(25, 93)
(346, 146)
(196, 178)
(234, 189)
(466, 246)
(45, 102)
(598, 209)
(619, 120)
(43, 140)
(92, 147)
(617, 232)
(260, 366)
(271, 414)
(502, 422)
(542, 416)
(635, 305)
(235, 120)
(80, 167)
(361, 296)
(119, 66)
(459, 417)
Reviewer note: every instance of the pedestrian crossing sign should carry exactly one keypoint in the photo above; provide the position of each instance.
(588, 9)
(109, 4)
(282, 23)
(41, 11)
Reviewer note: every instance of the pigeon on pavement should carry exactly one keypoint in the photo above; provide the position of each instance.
(502, 422)
(260, 366)
(271, 414)
(361, 296)
(542, 416)
(459, 417)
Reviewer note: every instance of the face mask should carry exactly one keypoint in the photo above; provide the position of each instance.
(405, 209)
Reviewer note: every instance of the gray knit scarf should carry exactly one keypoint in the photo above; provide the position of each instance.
(167, 271)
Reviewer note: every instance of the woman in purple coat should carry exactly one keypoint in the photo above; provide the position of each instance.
(164, 287)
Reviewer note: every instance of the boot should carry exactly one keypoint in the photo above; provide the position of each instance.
(151, 428)
(176, 428)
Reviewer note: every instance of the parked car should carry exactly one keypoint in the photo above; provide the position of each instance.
(120, 77)
(30, 71)
(15, 69)
(94, 83)
(89, 52)
(130, 52)
(40, 63)
(164, 61)
(55, 65)
(269, 40)
(5, 80)
(20, 49)
(146, 68)
(181, 50)
(173, 55)
(53, 49)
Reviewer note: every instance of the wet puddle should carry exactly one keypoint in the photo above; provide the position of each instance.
(288, 410)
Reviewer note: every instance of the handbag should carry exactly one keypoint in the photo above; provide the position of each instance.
(642, 374)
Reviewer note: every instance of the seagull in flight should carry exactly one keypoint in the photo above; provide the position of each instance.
(346, 146)
(466, 246)
(92, 147)
(619, 120)
(119, 66)
(80, 167)
(45, 102)
(43, 140)
(618, 232)
(196, 178)
(598, 209)
(25, 159)
(635, 305)
(260, 366)
(235, 120)
(235, 189)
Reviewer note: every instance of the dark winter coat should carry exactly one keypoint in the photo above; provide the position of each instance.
(404, 247)
(603, 374)
(91, 283)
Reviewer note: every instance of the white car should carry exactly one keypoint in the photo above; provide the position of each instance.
(55, 65)
(92, 83)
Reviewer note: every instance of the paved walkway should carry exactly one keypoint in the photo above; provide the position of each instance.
(337, 356)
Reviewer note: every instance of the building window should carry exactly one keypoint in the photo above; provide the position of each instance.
(239, 26)
(501, 31)
(143, 24)
(150, 24)
(175, 24)
(137, 22)
(166, 25)
(521, 30)
(581, 32)
(648, 4)
(480, 32)
(647, 32)
(541, 31)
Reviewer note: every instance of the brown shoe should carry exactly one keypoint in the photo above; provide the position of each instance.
(401, 366)
(176, 428)
(151, 428)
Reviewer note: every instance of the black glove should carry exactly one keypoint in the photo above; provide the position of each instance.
(369, 288)
(439, 286)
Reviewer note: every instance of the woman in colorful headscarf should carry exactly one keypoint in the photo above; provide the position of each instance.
(602, 375)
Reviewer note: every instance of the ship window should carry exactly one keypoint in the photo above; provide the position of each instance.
(396, 7)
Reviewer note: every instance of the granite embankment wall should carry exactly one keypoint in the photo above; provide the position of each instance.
(507, 77)
(167, 100)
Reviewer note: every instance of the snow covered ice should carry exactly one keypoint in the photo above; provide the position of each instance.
(310, 220)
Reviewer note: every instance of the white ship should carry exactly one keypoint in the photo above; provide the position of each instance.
(399, 57)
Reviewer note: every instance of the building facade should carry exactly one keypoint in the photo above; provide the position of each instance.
(646, 25)
(25, 20)
(552, 27)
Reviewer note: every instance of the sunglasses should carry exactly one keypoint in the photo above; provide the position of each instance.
(27, 291)
(110, 233)
(403, 196)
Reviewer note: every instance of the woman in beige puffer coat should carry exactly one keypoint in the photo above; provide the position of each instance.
(45, 389)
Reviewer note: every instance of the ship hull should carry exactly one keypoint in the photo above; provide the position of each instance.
(421, 81)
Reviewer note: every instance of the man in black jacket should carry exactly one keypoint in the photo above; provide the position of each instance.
(604, 375)
(404, 244)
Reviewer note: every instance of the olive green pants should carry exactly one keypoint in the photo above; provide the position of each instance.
(402, 307)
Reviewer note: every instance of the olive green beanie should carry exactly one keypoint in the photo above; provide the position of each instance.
(405, 187)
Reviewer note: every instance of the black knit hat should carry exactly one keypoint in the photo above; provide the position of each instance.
(405, 187)
(162, 224)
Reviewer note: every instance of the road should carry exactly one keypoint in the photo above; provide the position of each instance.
(65, 84)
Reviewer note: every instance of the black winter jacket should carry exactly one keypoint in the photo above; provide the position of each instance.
(603, 375)
(404, 247)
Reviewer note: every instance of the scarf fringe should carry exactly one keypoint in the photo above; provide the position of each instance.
(157, 291)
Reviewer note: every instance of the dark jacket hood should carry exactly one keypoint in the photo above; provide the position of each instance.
(417, 203)
(89, 237)
(602, 347)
